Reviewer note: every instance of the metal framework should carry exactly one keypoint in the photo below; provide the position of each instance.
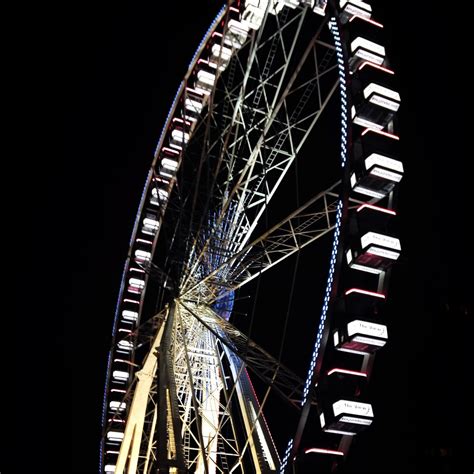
(184, 401)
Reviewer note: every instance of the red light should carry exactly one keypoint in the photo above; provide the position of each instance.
(380, 132)
(137, 270)
(143, 241)
(367, 19)
(194, 91)
(323, 451)
(170, 150)
(348, 372)
(364, 292)
(176, 119)
(376, 208)
(376, 66)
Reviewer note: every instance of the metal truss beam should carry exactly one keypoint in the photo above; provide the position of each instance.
(271, 371)
(302, 227)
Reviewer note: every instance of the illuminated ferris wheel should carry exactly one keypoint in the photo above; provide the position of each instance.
(271, 84)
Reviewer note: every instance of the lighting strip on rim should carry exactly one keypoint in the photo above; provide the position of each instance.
(322, 321)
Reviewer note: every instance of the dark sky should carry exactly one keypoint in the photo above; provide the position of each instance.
(105, 77)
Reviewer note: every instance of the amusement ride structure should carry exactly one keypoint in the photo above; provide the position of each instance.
(271, 84)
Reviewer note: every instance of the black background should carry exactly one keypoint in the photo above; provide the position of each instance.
(101, 79)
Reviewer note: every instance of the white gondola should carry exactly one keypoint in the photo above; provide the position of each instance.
(220, 56)
(125, 346)
(142, 256)
(253, 13)
(117, 406)
(120, 376)
(375, 172)
(347, 417)
(362, 49)
(319, 7)
(128, 315)
(115, 436)
(360, 337)
(376, 106)
(151, 225)
(206, 78)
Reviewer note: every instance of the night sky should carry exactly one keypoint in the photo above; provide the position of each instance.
(109, 74)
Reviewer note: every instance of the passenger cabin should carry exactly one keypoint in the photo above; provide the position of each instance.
(372, 249)
(376, 168)
(344, 409)
(169, 163)
(365, 42)
(193, 104)
(360, 336)
(205, 77)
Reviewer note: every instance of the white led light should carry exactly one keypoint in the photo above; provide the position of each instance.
(336, 338)
(115, 435)
(109, 468)
(355, 421)
(349, 256)
(120, 375)
(368, 192)
(349, 433)
(129, 315)
(322, 420)
(369, 341)
(353, 180)
(367, 123)
(363, 268)
(117, 406)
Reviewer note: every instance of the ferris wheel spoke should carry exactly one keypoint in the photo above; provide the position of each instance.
(239, 114)
(266, 367)
(302, 227)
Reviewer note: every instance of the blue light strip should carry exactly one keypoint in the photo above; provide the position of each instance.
(284, 461)
(337, 229)
(342, 87)
(322, 321)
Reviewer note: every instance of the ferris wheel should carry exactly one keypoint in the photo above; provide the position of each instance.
(272, 85)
